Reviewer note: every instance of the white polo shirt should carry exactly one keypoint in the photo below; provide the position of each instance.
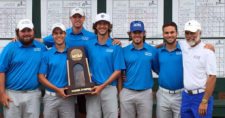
(198, 64)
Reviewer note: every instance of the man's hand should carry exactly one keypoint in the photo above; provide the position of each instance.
(97, 89)
(5, 99)
(202, 109)
(209, 46)
(60, 92)
(116, 42)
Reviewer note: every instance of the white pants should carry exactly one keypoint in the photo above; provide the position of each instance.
(26, 104)
(136, 104)
(58, 107)
(168, 104)
(105, 103)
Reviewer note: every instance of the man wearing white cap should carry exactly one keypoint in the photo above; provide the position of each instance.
(106, 62)
(19, 64)
(53, 75)
(199, 65)
(76, 34)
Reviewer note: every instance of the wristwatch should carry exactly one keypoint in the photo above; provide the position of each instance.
(204, 101)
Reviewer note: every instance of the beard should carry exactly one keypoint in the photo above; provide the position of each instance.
(170, 42)
(26, 40)
(194, 42)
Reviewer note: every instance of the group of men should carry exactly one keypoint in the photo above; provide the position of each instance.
(186, 69)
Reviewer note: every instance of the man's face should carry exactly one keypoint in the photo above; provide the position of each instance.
(192, 38)
(77, 20)
(59, 36)
(26, 36)
(137, 37)
(170, 34)
(102, 27)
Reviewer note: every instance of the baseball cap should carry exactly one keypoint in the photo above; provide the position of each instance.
(25, 23)
(102, 17)
(192, 26)
(137, 26)
(58, 25)
(77, 11)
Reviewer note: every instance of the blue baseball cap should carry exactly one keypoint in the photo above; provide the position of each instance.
(137, 26)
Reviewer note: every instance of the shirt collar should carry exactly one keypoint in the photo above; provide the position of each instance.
(143, 48)
(34, 43)
(80, 33)
(54, 50)
(177, 47)
(108, 42)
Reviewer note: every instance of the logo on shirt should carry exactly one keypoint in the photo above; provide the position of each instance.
(148, 54)
(37, 49)
(178, 53)
(196, 57)
(84, 38)
(109, 50)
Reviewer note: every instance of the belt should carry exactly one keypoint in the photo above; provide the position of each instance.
(23, 91)
(197, 91)
(137, 90)
(50, 93)
(171, 91)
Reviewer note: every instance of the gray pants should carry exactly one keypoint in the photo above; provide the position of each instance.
(105, 103)
(26, 104)
(58, 107)
(168, 104)
(136, 104)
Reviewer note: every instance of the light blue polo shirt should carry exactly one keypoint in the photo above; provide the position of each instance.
(53, 65)
(21, 64)
(139, 66)
(171, 68)
(71, 38)
(104, 60)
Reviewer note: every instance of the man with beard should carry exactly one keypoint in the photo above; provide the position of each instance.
(136, 98)
(170, 74)
(199, 74)
(53, 75)
(106, 62)
(19, 64)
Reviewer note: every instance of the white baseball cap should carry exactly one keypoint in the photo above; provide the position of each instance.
(77, 11)
(58, 25)
(102, 17)
(192, 26)
(25, 23)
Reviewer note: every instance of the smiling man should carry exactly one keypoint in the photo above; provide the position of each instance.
(140, 58)
(106, 62)
(19, 64)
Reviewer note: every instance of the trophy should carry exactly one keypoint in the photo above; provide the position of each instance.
(79, 79)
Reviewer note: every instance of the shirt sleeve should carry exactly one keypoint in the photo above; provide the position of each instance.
(44, 64)
(6, 57)
(155, 62)
(119, 63)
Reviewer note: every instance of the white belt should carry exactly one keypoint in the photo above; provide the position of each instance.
(50, 93)
(197, 91)
(171, 91)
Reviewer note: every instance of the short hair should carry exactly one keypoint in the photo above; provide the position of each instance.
(173, 24)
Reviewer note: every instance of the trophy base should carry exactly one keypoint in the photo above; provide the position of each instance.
(78, 91)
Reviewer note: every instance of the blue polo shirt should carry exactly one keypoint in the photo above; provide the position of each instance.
(171, 68)
(139, 65)
(71, 38)
(104, 60)
(53, 65)
(21, 64)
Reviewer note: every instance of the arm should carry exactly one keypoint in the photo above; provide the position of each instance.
(116, 42)
(4, 98)
(114, 76)
(120, 81)
(209, 46)
(43, 80)
(210, 85)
